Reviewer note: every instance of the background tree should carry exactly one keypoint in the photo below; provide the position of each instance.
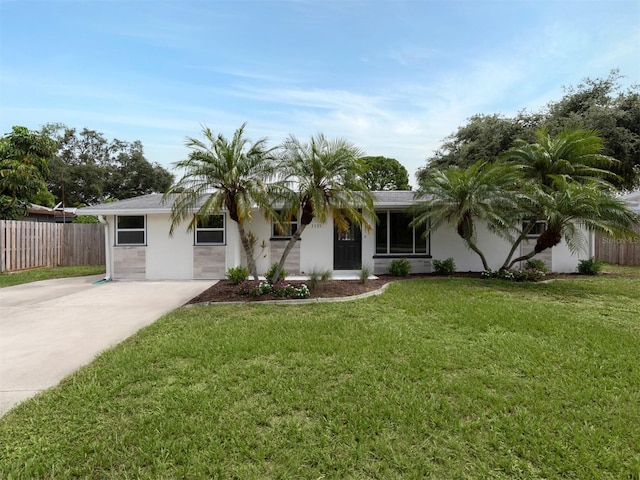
(24, 159)
(601, 105)
(324, 178)
(88, 168)
(482, 139)
(219, 172)
(384, 173)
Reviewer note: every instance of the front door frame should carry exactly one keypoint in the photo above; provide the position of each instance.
(347, 248)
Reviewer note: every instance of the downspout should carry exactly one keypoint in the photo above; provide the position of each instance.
(107, 248)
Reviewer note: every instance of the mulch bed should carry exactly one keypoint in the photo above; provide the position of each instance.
(224, 291)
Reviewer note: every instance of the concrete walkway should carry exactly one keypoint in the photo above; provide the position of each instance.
(51, 328)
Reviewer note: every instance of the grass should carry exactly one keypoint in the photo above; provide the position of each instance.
(447, 378)
(37, 274)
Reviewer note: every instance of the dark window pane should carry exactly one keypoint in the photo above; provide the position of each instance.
(213, 221)
(131, 237)
(381, 233)
(401, 233)
(421, 240)
(132, 221)
(216, 236)
(288, 228)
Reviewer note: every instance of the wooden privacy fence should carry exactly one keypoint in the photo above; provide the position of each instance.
(620, 252)
(26, 245)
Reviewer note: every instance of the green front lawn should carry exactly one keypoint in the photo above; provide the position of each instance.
(440, 378)
(37, 274)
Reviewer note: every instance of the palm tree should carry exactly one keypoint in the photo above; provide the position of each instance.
(222, 173)
(572, 204)
(483, 191)
(324, 178)
(573, 154)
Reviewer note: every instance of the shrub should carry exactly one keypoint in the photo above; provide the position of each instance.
(526, 275)
(400, 267)
(536, 264)
(318, 278)
(272, 271)
(365, 273)
(282, 290)
(237, 275)
(246, 287)
(590, 266)
(444, 267)
(301, 292)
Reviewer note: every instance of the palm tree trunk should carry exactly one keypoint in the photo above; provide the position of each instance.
(517, 243)
(251, 263)
(548, 239)
(475, 248)
(292, 242)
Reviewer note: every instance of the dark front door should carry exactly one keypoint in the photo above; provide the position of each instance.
(347, 248)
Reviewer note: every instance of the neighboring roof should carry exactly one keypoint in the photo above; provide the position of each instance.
(36, 209)
(152, 203)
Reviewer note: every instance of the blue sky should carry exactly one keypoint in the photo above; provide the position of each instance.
(393, 77)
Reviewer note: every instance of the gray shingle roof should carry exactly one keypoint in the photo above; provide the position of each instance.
(152, 203)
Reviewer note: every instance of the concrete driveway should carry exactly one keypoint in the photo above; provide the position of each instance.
(51, 328)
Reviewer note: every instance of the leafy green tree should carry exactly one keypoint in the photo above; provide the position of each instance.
(132, 175)
(221, 172)
(324, 178)
(24, 158)
(600, 105)
(88, 168)
(384, 173)
(484, 191)
(482, 139)
(604, 106)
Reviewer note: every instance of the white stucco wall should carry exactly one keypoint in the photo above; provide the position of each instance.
(168, 258)
(173, 257)
(565, 262)
(316, 249)
(445, 243)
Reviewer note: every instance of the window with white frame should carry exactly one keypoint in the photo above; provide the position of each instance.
(286, 230)
(131, 230)
(396, 236)
(210, 230)
(539, 227)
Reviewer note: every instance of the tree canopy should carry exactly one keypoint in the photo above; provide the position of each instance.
(221, 172)
(599, 105)
(322, 178)
(24, 165)
(384, 173)
(87, 168)
(558, 181)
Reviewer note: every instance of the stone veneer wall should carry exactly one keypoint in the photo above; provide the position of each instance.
(130, 263)
(292, 264)
(209, 262)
